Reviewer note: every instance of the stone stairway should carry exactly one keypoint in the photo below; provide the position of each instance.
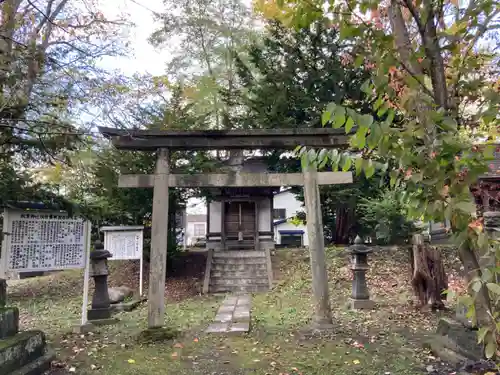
(240, 245)
(238, 271)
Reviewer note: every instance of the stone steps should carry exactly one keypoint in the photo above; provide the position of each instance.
(238, 289)
(239, 261)
(221, 281)
(240, 246)
(239, 274)
(239, 254)
(238, 267)
(238, 271)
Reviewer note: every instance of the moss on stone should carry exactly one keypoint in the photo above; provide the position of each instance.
(20, 337)
(21, 349)
(9, 321)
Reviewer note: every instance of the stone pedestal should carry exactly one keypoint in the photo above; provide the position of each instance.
(9, 321)
(360, 298)
(101, 306)
(20, 353)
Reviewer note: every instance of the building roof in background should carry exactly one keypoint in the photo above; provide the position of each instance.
(283, 191)
(280, 221)
(196, 218)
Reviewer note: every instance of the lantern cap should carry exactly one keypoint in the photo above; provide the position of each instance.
(359, 246)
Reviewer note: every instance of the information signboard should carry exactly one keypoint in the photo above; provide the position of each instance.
(43, 241)
(125, 243)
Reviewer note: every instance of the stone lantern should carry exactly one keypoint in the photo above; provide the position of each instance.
(360, 298)
(101, 307)
(492, 229)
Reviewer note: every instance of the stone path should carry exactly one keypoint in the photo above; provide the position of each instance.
(233, 316)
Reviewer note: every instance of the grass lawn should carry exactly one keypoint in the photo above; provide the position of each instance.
(386, 340)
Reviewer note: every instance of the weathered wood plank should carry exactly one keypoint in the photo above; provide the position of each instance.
(232, 142)
(235, 179)
(144, 140)
(218, 133)
(159, 232)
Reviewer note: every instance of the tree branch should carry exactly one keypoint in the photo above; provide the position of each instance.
(409, 5)
(433, 51)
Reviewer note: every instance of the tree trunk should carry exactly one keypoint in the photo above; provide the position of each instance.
(402, 38)
(472, 270)
(343, 223)
(429, 279)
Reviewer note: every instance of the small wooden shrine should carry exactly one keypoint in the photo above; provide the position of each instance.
(241, 217)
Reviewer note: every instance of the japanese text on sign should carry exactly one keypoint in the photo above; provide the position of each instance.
(44, 241)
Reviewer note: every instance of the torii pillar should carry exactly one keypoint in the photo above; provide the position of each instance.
(159, 241)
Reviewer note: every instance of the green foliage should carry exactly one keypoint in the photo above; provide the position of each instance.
(289, 77)
(384, 218)
(433, 72)
(91, 180)
(207, 34)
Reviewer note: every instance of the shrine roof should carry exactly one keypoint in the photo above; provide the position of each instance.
(150, 140)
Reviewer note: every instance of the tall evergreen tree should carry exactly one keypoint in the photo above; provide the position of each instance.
(286, 80)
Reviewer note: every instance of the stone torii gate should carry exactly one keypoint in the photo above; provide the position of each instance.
(165, 141)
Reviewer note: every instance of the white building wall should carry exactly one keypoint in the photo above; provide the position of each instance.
(288, 201)
(290, 226)
(215, 217)
(190, 233)
(292, 205)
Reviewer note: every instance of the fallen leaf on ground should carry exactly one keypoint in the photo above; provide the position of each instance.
(131, 361)
(356, 362)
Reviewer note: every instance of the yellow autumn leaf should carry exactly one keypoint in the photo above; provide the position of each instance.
(356, 362)
(131, 361)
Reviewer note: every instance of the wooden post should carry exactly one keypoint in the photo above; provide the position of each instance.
(322, 311)
(223, 224)
(256, 231)
(159, 233)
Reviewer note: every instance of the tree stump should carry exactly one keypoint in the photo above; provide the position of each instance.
(429, 279)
